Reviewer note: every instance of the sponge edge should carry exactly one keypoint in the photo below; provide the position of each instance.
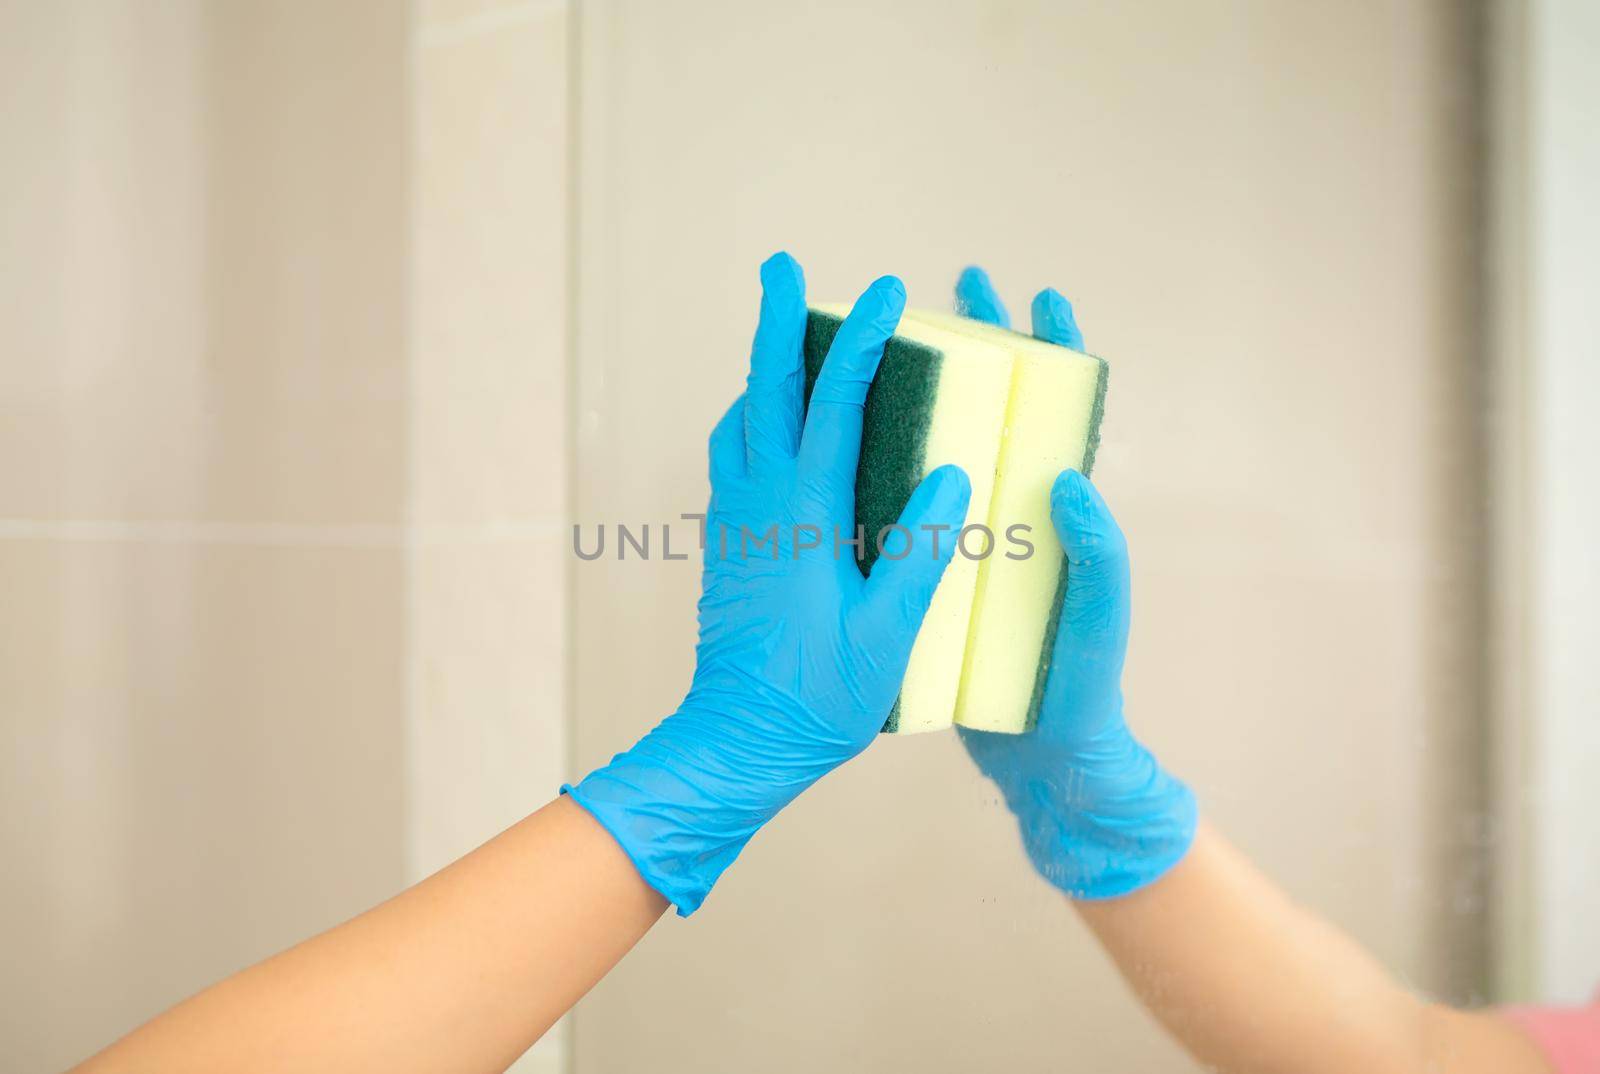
(1052, 424)
(938, 398)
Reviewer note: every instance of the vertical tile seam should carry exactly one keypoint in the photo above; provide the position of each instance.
(565, 1059)
(411, 682)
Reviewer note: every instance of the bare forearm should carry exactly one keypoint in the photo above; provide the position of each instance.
(1249, 982)
(461, 973)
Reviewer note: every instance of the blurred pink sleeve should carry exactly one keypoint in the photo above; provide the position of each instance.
(1568, 1036)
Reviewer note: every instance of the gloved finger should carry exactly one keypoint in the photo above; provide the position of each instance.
(773, 393)
(830, 445)
(1093, 632)
(1053, 320)
(914, 556)
(725, 449)
(977, 298)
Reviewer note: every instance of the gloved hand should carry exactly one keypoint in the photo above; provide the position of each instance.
(800, 657)
(1099, 816)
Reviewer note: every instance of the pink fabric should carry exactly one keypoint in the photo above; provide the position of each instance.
(1569, 1036)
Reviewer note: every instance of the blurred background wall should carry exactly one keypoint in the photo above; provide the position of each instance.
(323, 322)
(1265, 216)
(282, 425)
(203, 480)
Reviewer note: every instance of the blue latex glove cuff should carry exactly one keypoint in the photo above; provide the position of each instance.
(686, 799)
(679, 838)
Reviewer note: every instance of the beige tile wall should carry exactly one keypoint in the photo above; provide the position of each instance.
(203, 369)
(488, 426)
(201, 766)
(306, 211)
(282, 385)
(103, 261)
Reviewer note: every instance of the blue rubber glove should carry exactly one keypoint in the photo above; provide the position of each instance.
(800, 657)
(1099, 816)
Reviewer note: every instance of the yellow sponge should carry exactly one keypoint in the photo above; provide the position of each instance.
(939, 397)
(1052, 424)
(1013, 412)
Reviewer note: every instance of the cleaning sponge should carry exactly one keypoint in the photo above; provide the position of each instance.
(939, 396)
(1013, 412)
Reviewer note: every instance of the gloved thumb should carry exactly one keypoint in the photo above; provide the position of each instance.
(914, 556)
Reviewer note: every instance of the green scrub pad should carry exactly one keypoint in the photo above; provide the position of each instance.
(1013, 412)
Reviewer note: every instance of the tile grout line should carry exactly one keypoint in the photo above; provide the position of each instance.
(411, 681)
(565, 1057)
(203, 533)
(270, 534)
